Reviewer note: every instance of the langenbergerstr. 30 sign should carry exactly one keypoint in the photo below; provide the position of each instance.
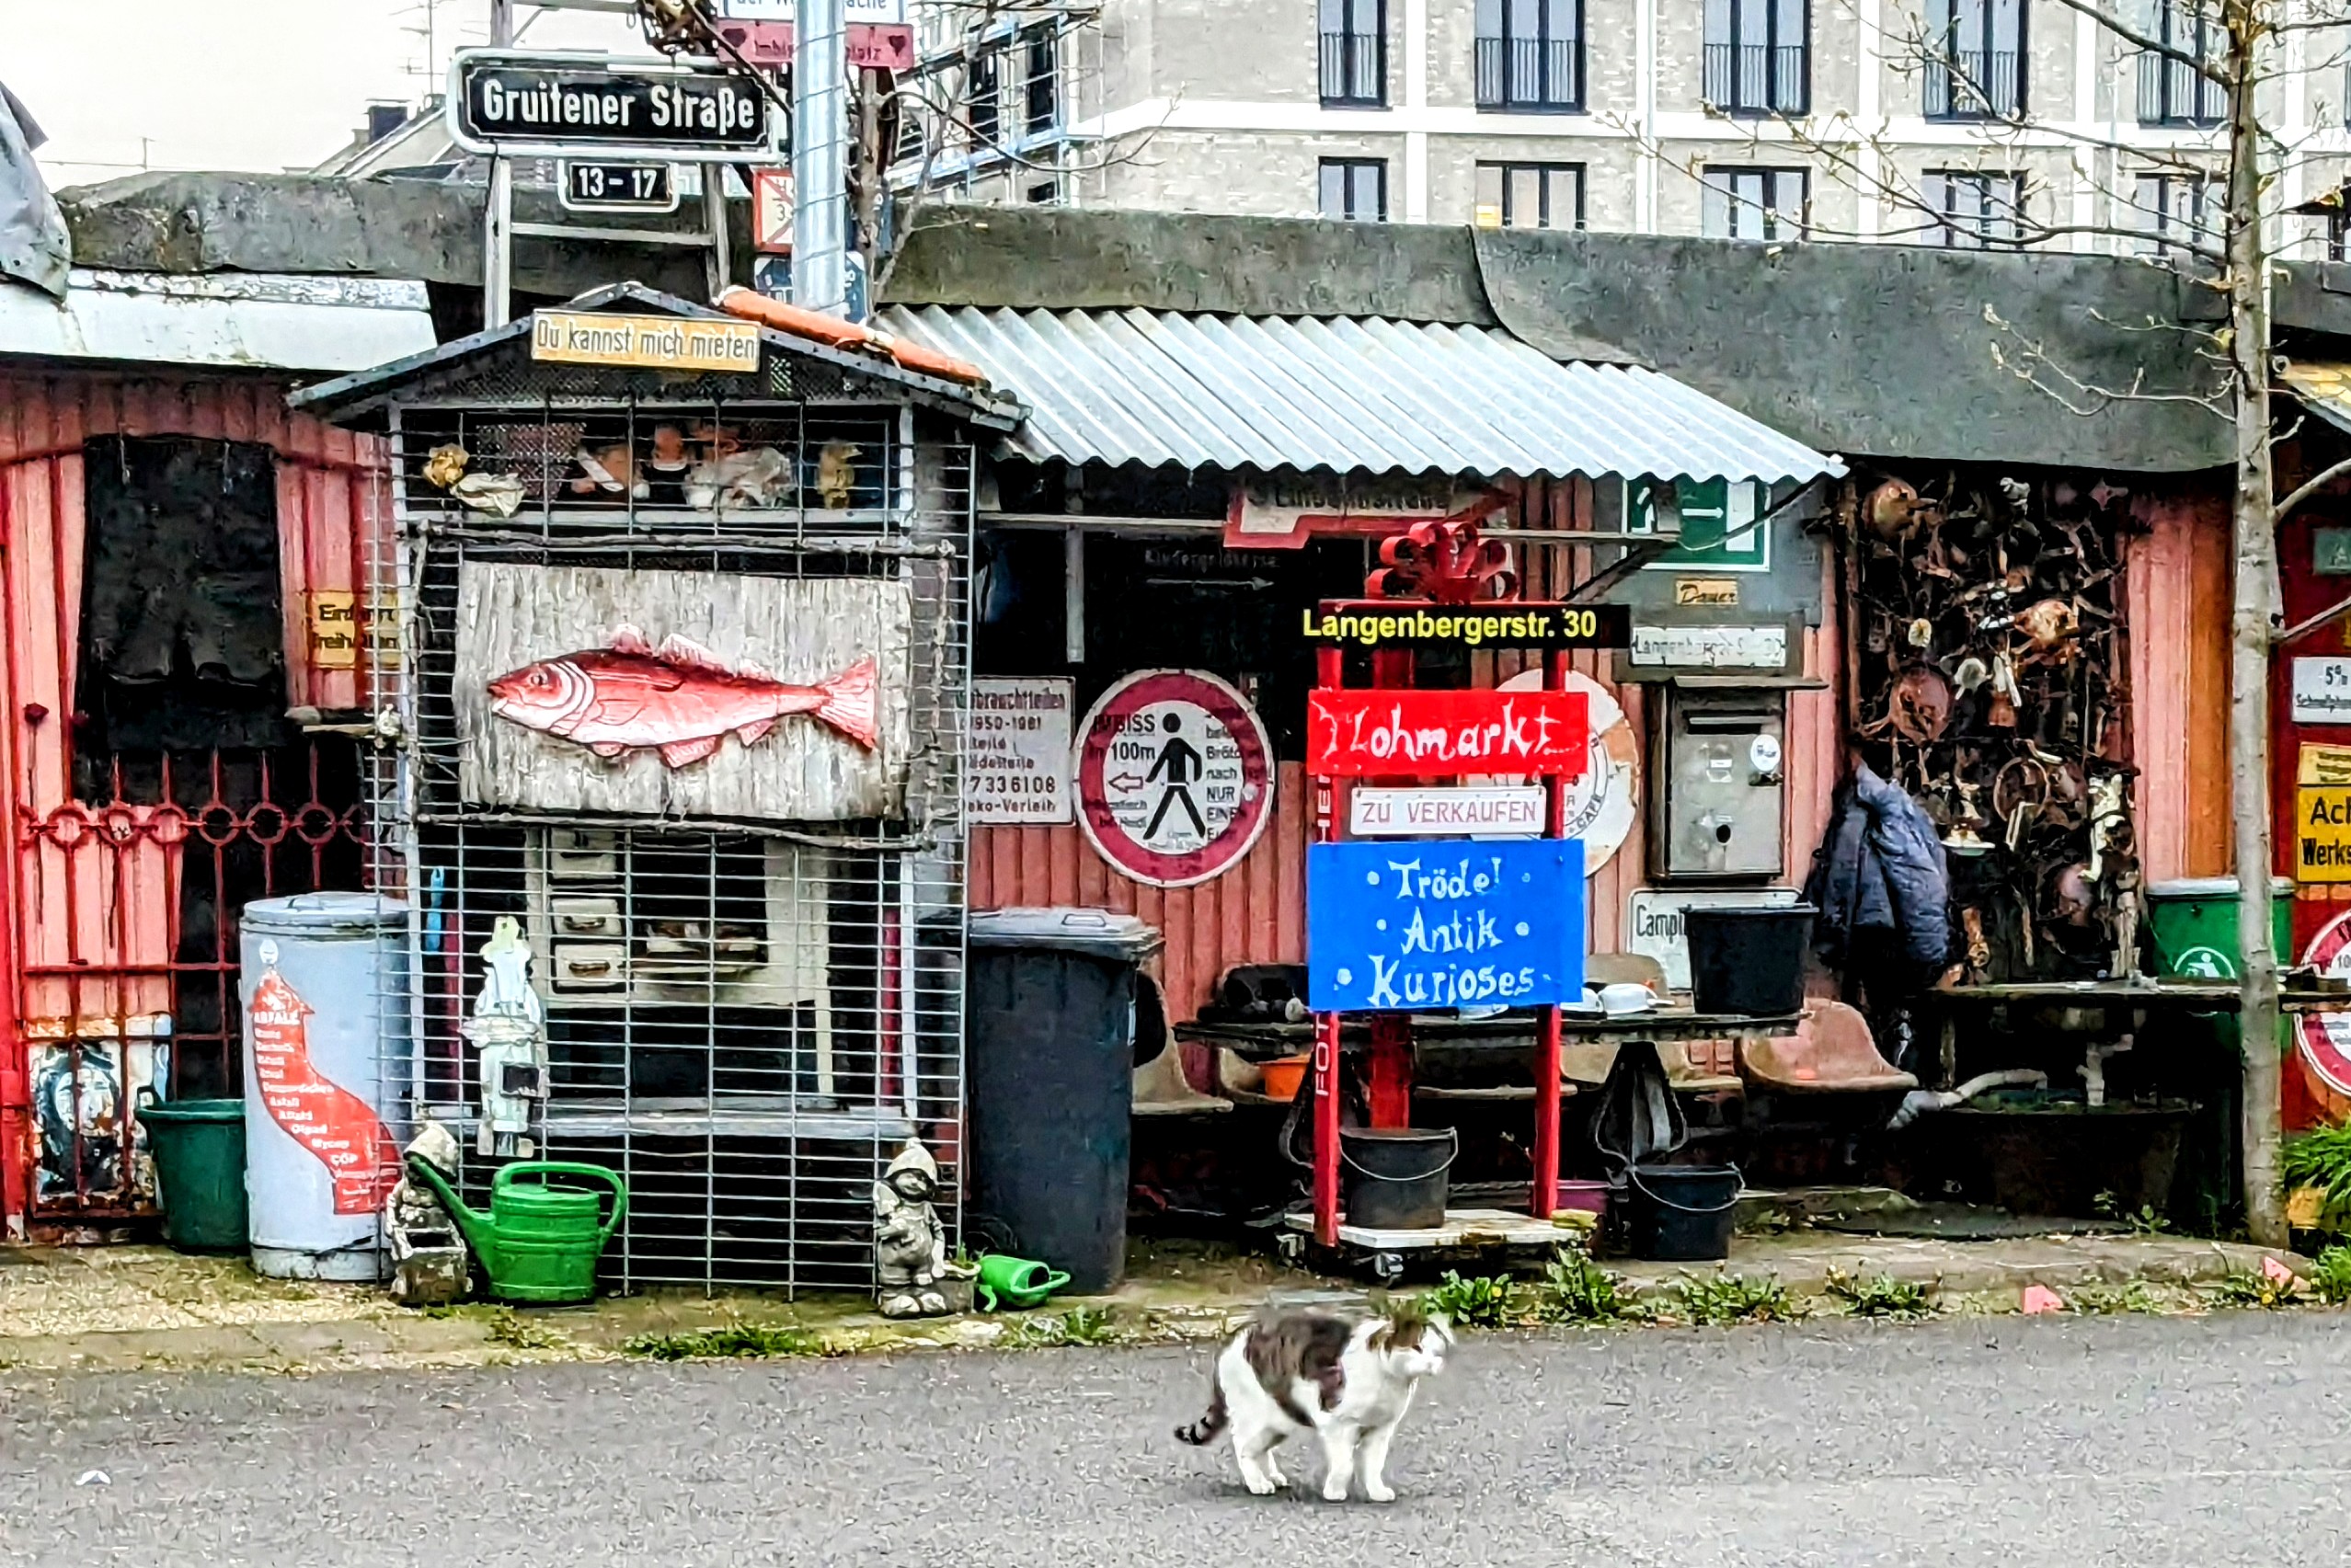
(547, 105)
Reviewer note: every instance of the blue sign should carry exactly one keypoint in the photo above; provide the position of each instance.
(1445, 923)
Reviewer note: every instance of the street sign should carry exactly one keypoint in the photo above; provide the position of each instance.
(2322, 690)
(1448, 922)
(2325, 1037)
(599, 186)
(1175, 777)
(551, 105)
(662, 342)
(1359, 733)
(772, 212)
(1381, 622)
(867, 45)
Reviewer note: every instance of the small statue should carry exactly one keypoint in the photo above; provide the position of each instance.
(508, 1030)
(909, 1244)
(427, 1255)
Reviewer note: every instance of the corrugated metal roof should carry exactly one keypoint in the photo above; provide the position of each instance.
(2323, 387)
(243, 320)
(1161, 387)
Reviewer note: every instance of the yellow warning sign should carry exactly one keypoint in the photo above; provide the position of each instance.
(2324, 765)
(2322, 833)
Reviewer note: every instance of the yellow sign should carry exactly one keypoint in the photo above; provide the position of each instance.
(334, 629)
(1688, 592)
(662, 342)
(2324, 765)
(2322, 833)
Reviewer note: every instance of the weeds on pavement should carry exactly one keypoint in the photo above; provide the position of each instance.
(1079, 1325)
(753, 1341)
(1575, 1290)
(2249, 1287)
(2102, 1300)
(1880, 1296)
(509, 1328)
(1484, 1301)
(1732, 1299)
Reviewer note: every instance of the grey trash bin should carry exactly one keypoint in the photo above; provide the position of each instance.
(1049, 1081)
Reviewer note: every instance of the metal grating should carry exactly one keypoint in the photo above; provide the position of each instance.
(747, 1013)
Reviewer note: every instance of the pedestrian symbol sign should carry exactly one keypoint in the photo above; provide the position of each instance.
(1174, 777)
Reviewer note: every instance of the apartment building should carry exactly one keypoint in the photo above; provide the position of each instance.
(1938, 121)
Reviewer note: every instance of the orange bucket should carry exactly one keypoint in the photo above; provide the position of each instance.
(1279, 1078)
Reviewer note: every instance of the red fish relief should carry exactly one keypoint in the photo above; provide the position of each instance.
(330, 1121)
(678, 699)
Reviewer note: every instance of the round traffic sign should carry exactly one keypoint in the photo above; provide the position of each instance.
(2325, 1037)
(1175, 777)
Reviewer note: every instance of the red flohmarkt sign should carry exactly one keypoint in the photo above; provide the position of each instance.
(1355, 733)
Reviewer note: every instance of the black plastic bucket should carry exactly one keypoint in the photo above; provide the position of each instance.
(1682, 1213)
(1395, 1178)
(1747, 958)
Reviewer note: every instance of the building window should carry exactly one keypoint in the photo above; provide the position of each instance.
(1531, 196)
(1041, 85)
(1044, 192)
(1977, 210)
(1529, 55)
(2170, 91)
(1355, 189)
(2337, 228)
(1355, 53)
(1758, 56)
(1755, 204)
(1975, 64)
(2178, 210)
(984, 88)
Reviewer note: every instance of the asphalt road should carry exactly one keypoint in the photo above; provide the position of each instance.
(2043, 1444)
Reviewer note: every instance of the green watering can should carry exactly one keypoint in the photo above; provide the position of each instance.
(539, 1242)
(1018, 1280)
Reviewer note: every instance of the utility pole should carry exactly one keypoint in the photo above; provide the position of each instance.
(819, 172)
(498, 228)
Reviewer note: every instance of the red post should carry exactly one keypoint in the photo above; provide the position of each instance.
(1543, 1194)
(1329, 671)
(1391, 1069)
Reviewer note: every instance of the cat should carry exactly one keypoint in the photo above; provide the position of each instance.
(1349, 1381)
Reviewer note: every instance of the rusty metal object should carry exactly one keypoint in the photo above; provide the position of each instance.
(1891, 511)
(1919, 707)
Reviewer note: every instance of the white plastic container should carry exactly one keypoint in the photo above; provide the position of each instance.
(327, 1049)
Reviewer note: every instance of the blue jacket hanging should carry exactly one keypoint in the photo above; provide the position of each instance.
(1880, 866)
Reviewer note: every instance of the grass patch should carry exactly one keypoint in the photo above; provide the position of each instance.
(1483, 1301)
(1732, 1299)
(2330, 1274)
(509, 1328)
(1079, 1325)
(1575, 1290)
(2250, 1287)
(1880, 1296)
(2102, 1300)
(2143, 1221)
(2320, 1159)
(738, 1340)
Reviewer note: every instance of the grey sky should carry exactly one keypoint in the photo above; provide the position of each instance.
(232, 84)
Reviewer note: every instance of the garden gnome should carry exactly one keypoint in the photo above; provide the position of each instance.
(427, 1256)
(508, 1030)
(911, 1266)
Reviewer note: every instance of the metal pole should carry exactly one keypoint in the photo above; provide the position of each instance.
(819, 146)
(497, 224)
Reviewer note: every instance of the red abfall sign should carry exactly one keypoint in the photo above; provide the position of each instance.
(2325, 1037)
(334, 1124)
(1428, 734)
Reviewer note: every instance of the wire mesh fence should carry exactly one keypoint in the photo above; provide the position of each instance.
(678, 687)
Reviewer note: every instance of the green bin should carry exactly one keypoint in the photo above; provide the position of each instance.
(198, 1149)
(2193, 920)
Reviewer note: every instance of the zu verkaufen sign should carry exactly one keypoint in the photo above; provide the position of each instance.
(502, 101)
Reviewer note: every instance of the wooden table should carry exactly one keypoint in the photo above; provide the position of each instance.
(2137, 996)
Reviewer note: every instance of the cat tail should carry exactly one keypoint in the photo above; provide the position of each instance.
(1204, 1431)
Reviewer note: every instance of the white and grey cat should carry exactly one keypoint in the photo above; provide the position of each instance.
(1349, 1381)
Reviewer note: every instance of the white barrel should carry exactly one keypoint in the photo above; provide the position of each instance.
(327, 1049)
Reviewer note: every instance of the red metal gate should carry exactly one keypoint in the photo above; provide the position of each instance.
(119, 940)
